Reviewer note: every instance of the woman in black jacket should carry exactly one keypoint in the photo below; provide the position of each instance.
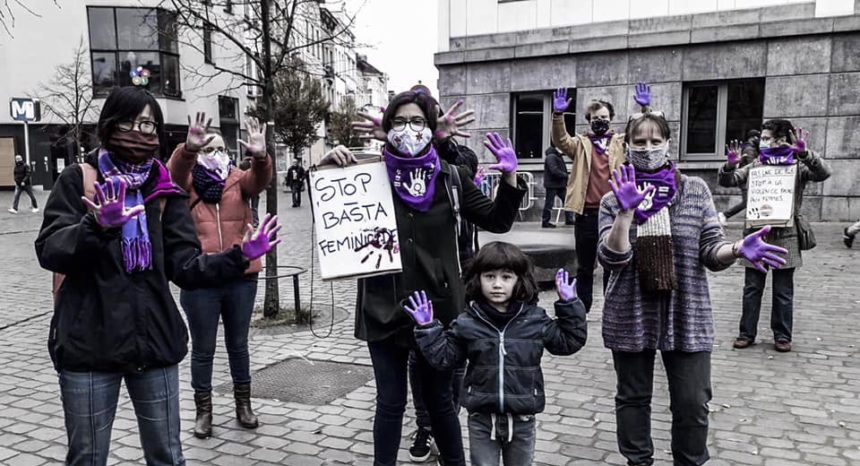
(503, 333)
(118, 247)
(426, 226)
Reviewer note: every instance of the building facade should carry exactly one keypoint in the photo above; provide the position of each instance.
(717, 69)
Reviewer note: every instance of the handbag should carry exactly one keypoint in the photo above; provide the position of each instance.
(805, 234)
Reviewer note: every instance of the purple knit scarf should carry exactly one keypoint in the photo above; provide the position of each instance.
(666, 186)
(414, 179)
(780, 155)
(136, 247)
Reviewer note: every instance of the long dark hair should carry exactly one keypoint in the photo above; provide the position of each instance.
(426, 102)
(502, 256)
(125, 104)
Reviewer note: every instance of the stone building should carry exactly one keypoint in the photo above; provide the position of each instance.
(717, 69)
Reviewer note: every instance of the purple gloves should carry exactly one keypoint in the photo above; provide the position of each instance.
(799, 135)
(624, 186)
(259, 242)
(760, 254)
(109, 206)
(642, 95)
(560, 102)
(565, 287)
(420, 308)
(733, 153)
(504, 152)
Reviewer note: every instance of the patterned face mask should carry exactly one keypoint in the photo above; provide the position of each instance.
(410, 142)
(599, 127)
(649, 160)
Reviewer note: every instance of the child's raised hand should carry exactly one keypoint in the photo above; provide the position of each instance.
(420, 308)
(565, 286)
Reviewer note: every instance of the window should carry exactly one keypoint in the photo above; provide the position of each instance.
(532, 123)
(715, 113)
(227, 108)
(207, 45)
(123, 39)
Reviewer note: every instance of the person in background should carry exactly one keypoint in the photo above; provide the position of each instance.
(849, 234)
(23, 183)
(555, 176)
(296, 181)
(749, 152)
(781, 144)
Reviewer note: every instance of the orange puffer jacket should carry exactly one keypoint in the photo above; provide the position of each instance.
(221, 226)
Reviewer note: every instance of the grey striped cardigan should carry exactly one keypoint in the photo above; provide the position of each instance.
(682, 320)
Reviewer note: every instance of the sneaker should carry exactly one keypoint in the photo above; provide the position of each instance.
(420, 450)
(742, 342)
(847, 238)
(12, 211)
(782, 346)
(722, 218)
(547, 225)
(35, 210)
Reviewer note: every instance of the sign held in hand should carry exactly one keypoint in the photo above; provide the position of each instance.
(354, 220)
(770, 196)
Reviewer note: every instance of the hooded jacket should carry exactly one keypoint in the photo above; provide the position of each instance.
(504, 375)
(554, 170)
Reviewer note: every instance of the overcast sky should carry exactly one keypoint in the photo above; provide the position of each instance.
(403, 36)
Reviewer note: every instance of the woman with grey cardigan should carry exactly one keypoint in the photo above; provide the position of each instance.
(659, 233)
(776, 148)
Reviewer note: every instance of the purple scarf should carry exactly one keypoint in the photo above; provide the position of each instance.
(665, 182)
(414, 179)
(165, 186)
(136, 247)
(600, 143)
(780, 155)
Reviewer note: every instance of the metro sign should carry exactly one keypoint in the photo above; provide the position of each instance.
(25, 109)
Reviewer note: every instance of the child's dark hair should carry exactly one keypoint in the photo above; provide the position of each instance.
(634, 125)
(502, 256)
(426, 102)
(779, 128)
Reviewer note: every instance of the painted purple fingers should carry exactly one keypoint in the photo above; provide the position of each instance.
(642, 94)
(503, 150)
(259, 242)
(565, 287)
(560, 102)
(419, 308)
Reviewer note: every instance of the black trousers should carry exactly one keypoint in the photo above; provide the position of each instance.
(689, 376)
(587, 237)
(24, 189)
(782, 310)
(297, 194)
(549, 203)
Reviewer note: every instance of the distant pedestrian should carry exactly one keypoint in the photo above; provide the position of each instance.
(296, 181)
(503, 334)
(849, 234)
(23, 183)
(555, 176)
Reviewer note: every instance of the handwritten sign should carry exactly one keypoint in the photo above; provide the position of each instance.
(770, 195)
(354, 221)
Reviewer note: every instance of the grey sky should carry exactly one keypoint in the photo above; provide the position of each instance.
(403, 34)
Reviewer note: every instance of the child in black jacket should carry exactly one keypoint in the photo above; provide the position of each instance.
(503, 334)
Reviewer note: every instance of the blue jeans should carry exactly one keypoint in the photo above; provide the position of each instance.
(490, 436)
(89, 403)
(234, 303)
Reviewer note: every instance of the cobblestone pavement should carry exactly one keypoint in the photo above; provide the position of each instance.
(800, 408)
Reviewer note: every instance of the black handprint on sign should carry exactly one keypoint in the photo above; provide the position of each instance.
(381, 241)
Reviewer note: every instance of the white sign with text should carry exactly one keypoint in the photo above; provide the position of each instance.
(770, 195)
(354, 221)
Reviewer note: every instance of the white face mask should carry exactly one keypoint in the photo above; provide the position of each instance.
(764, 144)
(649, 160)
(409, 142)
(218, 162)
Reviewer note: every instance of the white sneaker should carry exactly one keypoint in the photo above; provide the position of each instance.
(35, 210)
(722, 218)
(12, 211)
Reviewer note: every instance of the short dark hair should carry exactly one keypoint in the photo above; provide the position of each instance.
(753, 133)
(635, 124)
(596, 105)
(502, 256)
(125, 104)
(779, 128)
(424, 101)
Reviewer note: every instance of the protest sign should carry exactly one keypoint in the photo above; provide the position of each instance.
(354, 221)
(770, 195)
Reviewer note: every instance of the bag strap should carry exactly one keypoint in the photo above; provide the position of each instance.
(456, 194)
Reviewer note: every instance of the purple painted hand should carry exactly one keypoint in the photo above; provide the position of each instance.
(197, 138)
(259, 242)
(503, 150)
(799, 136)
(560, 102)
(480, 175)
(109, 206)
(733, 153)
(565, 287)
(642, 96)
(761, 254)
(420, 308)
(624, 186)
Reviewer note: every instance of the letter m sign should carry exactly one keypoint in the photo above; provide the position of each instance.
(25, 109)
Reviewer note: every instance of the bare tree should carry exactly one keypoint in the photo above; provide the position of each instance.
(68, 97)
(340, 127)
(9, 8)
(265, 40)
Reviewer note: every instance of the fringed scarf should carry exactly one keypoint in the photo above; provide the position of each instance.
(655, 252)
(136, 246)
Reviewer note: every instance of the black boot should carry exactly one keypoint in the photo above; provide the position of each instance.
(244, 414)
(203, 423)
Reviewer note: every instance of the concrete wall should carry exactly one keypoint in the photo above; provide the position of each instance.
(811, 68)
